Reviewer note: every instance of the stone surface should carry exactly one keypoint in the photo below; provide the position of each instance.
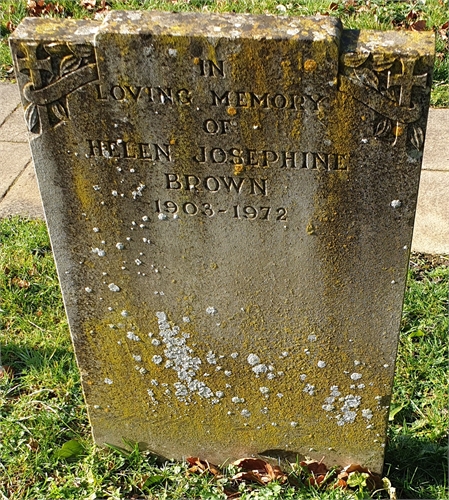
(431, 233)
(436, 152)
(13, 160)
(231, 215)
(9, 102)
(23, 197)
(13, 129)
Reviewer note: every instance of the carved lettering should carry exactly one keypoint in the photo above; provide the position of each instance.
(211, 68)
(214, 184)
(270, 158)
(216, 127)
(152, 95)
(246, 99)
(124, 149)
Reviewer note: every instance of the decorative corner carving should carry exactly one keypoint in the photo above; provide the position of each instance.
(54, 71)
(385, 83)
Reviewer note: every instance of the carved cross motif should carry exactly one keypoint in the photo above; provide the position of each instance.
(33, 64)
(407, 80)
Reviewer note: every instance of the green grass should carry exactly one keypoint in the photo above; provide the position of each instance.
(360, 14)
(41, 405)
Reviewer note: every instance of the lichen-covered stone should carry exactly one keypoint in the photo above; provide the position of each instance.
(231, 211)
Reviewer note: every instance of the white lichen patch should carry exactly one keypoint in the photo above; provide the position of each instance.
(137, 357)
(179, 357)
(210, 358)
(348, 410)
(234, 355)
(245, 413)
(211, 310)
(367, 413)
(157, 360)
(237, 400)
(108, 381)
(260, 369)
(264, 390)
(113, 287)
(321, 364)
(132, 336)
(309, 389)
(138, 191)
(356, 376)
(253, 359)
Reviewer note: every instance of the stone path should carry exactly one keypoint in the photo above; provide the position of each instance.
(19, 194)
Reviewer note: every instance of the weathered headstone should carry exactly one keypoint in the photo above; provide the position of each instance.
(231, 214)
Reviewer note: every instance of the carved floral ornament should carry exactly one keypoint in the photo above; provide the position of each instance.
(373, 80)
(54, 70)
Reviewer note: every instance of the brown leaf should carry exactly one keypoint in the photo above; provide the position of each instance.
(33, 445)
(412, 16)
(333, 6)
(10, 26)
(20, 283)
(248, 476)
(341, 483)
(263, 470)
(88, 4)
(418, 26)
(202, 466)
(374, 481)
(6, 370)
(315, 467)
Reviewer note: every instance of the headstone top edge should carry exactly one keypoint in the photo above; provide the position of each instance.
(411, 43)
(222, 25)
(59, 29)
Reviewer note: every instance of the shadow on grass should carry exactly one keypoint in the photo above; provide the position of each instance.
(414, 464)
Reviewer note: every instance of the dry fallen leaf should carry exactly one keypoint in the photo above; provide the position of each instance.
(88, 4)
(418, 26)
(202, 466)
(258, 470)
(20, 283)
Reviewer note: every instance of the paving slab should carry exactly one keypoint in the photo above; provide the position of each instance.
(14, 157)
(23, 198)
(9, 100)
(431, 234)
(436, 149)
(13, 129)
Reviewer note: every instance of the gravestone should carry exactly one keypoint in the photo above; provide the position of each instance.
(231, 215)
